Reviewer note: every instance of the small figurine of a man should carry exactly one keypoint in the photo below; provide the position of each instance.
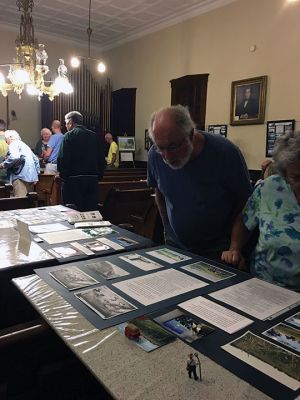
(191, 366)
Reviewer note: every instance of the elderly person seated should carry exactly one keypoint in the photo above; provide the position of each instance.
(21, 164)
(42, 145)
(274, 207)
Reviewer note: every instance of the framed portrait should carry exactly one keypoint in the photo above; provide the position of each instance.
(148, 141)
(126, 143)
(276, 129)
(248, 101)
(217, 129)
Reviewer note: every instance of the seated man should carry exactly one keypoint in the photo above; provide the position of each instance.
(201, 182)
(113, 152)
(50, 156)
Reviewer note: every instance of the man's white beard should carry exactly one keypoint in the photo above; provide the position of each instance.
(183, 161)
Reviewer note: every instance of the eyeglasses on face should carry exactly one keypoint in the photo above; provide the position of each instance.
(171, 148)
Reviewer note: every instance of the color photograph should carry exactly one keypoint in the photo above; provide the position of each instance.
(184, 325)
(105, 302)
(286, 335)
(274, 361)
(208, 271)
(107, 269)
(146, 333)
(72, 278)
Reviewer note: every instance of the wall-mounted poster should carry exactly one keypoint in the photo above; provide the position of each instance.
(276, 129)
(217, 129)
(148, 141)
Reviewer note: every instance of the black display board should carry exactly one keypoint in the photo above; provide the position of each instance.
(276, 129)
(211, 344)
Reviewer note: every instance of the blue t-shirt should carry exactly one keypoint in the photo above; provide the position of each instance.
(54, 143)
(202, 196)
(273, 207)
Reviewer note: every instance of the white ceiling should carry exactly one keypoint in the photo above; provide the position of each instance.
(113, 21)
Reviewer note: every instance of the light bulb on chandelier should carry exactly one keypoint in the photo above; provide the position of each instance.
(76, 60)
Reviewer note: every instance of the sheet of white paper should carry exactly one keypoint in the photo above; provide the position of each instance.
(258, 298)
(159, 286)
(223, 318)
(79, 246)
(48, 228)
(169, 256)
(23, 230)
(64, 236)
(274, 361)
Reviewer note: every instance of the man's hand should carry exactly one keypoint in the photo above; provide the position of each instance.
(234, 257)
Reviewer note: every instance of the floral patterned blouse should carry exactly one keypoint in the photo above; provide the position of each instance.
(273, 207)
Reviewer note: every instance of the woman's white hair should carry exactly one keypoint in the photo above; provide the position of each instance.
(12, 134)
(286, 151)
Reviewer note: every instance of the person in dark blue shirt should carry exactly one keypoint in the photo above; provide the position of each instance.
(201, 182)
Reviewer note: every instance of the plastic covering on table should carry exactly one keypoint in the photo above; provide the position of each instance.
(72, 326)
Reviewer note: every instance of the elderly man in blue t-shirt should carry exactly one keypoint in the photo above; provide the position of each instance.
(54, 143)
(201, 182)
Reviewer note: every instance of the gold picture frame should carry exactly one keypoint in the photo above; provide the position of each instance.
(248, 101)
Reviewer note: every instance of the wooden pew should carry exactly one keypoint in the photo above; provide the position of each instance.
(125, 171)
(104, 187)
(44, 188)
(149, 225)
(120, 205)
(5, 191)
(120, 178)
(16, 203)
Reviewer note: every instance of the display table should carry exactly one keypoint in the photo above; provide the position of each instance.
(126, 371)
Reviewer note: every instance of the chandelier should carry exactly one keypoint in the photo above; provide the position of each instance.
(75, 60)
(29, 68)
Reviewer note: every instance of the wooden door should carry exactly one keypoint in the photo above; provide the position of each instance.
(191, 90)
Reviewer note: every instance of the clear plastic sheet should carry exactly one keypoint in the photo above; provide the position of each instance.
(124, 369)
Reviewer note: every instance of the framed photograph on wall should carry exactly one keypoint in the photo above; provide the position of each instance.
(126, 143)
(248, 101)
(148, 141)
(217, 129)
(276, 129)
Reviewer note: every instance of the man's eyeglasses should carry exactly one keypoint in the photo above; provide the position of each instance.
(170, 149)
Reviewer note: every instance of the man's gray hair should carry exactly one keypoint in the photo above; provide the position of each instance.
(286, 151)
(179, 114)
(75, 116)
(12, 134)
(2, 125)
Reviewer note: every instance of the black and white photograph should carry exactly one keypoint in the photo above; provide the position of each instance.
(72, 278)
(107, 269)
(105, 302)
(141, 262)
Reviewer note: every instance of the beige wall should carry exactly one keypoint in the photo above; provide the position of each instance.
(218, 43)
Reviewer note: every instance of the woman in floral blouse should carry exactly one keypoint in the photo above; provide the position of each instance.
(274, 207)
